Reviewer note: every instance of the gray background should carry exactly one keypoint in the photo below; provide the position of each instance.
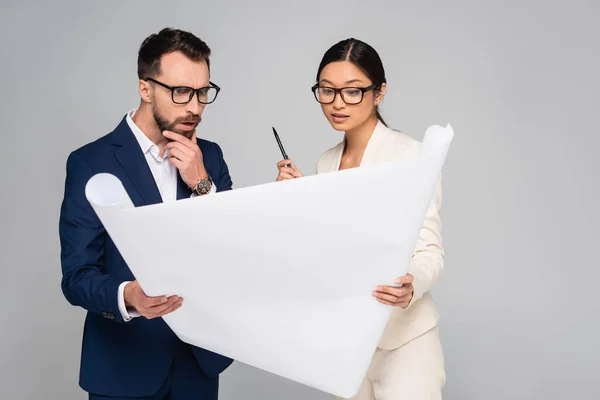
(517, 80)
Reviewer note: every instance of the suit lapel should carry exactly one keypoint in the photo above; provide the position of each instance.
(373, 149)
(375, 145)
(183, 192)
(130, 156)
(336, 157)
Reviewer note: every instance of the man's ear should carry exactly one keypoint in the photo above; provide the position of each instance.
(145, 91)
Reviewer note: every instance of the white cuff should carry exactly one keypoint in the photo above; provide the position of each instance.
(127, 315)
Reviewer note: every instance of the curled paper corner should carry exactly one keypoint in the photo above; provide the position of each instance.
(450, 129)
(437, 139)
(438, 130)
(106, 190)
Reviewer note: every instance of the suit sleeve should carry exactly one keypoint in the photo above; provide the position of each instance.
(428, 257)
(224, 179)
(85, 282)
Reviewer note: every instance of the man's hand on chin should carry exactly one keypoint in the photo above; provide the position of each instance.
(186, 156)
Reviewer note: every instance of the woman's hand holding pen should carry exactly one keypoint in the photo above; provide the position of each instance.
(396, 296)
(286, 172)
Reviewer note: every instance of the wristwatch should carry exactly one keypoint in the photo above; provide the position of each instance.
(203, 186)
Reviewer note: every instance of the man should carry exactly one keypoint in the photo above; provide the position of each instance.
(128, 350)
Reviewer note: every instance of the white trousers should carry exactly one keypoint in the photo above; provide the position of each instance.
(414, 371)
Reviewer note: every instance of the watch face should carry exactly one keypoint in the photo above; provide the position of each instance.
(203, 186)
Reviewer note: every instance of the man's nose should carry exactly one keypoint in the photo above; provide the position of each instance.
(193, 106)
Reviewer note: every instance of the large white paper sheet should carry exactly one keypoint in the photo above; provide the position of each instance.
(279, 276)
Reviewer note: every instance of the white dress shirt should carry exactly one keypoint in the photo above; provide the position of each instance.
(165, 176)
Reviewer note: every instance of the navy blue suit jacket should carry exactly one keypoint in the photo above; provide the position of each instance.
(120, 358)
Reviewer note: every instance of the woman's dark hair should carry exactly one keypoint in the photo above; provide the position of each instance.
(166, 41)
(360, 54)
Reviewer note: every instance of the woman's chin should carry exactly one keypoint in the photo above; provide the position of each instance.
(339, 126)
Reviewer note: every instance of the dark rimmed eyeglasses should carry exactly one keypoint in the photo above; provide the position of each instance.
(184, 94)
(350, 95)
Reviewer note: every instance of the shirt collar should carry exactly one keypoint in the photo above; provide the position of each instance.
(145, 144)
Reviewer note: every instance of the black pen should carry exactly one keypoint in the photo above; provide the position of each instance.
(285, 157)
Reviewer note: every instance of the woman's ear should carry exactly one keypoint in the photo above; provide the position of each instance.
(380, 93)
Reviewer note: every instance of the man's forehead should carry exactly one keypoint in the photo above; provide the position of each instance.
(180, 70)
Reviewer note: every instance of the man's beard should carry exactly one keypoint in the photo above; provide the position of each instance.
(164, 125)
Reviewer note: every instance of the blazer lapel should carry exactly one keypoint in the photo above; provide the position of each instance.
(373, 149)
(130, 156)
(375, 145)
(183, 192)
(336, 158)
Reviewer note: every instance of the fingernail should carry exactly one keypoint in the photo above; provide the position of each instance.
(399, 280)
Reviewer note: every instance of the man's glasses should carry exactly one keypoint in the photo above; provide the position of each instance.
(184, 94)
(350, 95)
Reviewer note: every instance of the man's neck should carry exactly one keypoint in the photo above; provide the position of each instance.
(144, 119)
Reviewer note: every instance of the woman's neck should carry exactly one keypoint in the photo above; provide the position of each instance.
(358, 138)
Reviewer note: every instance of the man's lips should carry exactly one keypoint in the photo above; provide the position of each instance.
(188, 125)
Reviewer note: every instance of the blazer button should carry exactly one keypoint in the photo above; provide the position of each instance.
(108, 315)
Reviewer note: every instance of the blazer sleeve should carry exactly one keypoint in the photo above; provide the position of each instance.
(428, 257)
(224, 181)
(84, 282)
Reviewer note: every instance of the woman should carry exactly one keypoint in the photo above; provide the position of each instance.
(409, 362)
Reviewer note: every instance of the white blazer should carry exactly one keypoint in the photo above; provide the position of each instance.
(427, 263)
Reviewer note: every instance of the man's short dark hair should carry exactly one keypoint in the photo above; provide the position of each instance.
(167, 41)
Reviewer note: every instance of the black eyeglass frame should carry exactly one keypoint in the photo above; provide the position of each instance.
(339, 90)
(192, 91)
